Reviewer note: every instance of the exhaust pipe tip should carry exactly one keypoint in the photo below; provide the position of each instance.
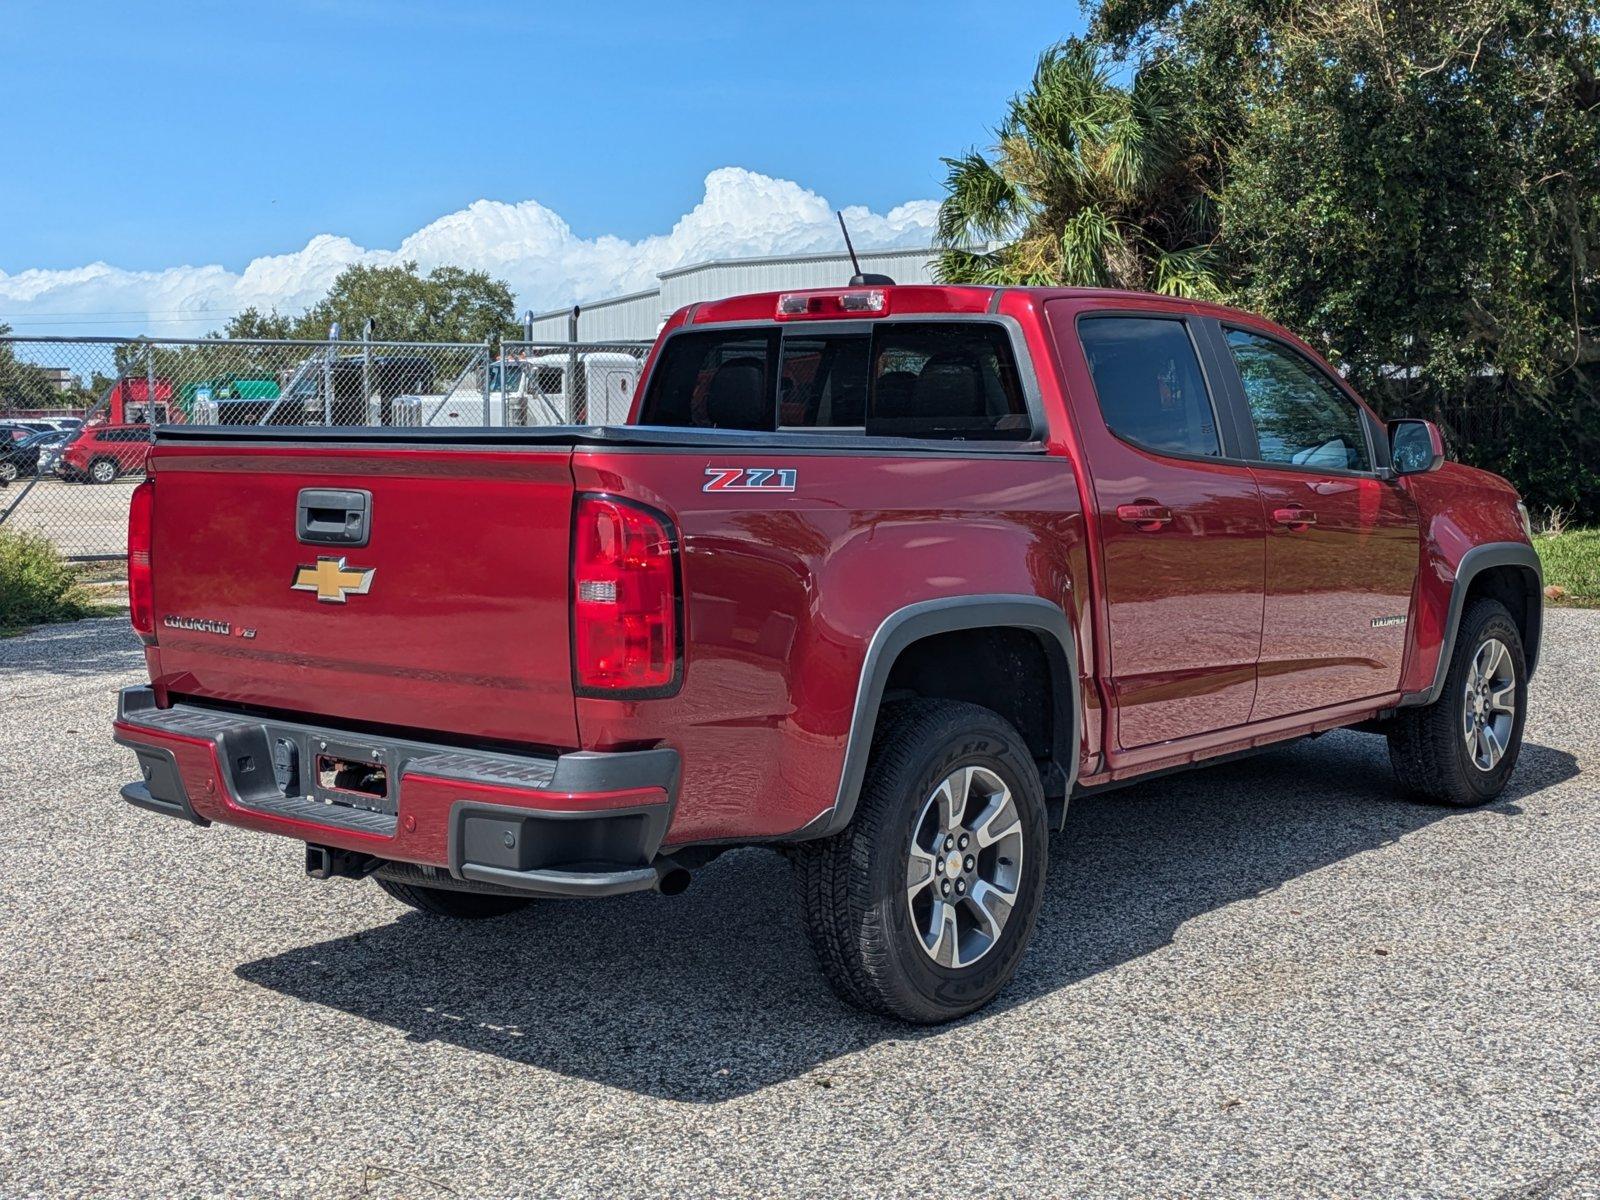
(672, 880)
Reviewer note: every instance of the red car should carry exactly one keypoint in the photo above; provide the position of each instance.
(881, 576)
(101, 453)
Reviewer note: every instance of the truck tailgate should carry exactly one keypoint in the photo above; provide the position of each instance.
(452, 617)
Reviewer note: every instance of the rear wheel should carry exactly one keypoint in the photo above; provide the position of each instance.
(102, 470)
(444, 902)
(922, 907)
(1461, 749)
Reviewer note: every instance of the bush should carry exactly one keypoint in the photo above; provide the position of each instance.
(1550, 451)
(1571, 562)
(35, 585)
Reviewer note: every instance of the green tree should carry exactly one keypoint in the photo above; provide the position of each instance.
(22, 384)
(1090, 183)
(448, 304)
(1411, 185)
(1416, 187)
(253, 323)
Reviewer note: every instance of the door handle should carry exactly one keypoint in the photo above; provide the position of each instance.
(1148, 517)
(333, 517)
(1294, 518)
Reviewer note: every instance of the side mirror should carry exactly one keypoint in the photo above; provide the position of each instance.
(1415, 447)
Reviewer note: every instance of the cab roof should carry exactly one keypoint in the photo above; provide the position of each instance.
(902, 299)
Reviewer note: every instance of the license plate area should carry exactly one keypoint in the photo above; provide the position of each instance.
(350, 775)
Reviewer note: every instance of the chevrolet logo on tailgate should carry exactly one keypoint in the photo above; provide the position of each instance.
(332, 580)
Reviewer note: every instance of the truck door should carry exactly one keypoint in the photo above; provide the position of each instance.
(1341, 542)
(1181, 527)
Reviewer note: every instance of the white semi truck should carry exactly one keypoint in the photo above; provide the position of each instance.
(533, 390)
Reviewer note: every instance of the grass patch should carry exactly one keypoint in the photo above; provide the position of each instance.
(1571, 561)
(36, 586)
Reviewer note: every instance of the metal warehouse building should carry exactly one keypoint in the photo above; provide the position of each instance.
(638, 315)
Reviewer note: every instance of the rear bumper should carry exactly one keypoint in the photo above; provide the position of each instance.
(565, 825)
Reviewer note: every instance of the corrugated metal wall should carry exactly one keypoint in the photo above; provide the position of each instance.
(714, 280)
(639, 316)
(617, 320)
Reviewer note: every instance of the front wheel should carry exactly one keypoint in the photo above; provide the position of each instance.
(1461, 749)
(8, 472)
(922, 907)
(102, 470)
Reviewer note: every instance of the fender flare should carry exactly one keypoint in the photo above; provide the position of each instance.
(1474, 562)
(931, 617)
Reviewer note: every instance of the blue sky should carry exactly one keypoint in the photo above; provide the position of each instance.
(173, 134)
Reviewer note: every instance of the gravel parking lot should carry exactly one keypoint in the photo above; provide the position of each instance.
(1271, 977)
(83, 520)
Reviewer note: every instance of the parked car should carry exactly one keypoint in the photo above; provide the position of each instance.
(102, 453)
(33, 455)
(880, 576)
(51, 446)
(15, 431)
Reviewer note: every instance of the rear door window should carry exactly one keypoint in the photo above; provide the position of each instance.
(1147, 378)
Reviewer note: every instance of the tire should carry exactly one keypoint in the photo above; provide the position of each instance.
(1429, 746)
(871, 922)
(8, 472)
(445, 902)
(102, 470)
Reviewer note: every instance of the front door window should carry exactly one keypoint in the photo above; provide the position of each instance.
(1301, 416)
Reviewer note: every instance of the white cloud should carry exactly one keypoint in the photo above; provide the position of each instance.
(741, 213)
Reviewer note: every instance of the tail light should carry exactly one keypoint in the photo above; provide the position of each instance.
(800, 305)
(141, 606)
(625, 635)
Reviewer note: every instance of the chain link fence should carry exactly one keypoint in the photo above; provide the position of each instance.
(76, 414)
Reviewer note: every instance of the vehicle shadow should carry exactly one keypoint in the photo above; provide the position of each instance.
(713, 994)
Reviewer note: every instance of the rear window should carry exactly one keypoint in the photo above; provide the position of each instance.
(944, 379)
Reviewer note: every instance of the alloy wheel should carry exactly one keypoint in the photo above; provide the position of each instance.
(1489, 708)
(964, 866)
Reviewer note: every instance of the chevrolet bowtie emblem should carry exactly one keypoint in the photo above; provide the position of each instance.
(332, 581)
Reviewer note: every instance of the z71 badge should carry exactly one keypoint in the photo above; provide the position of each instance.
(750, 479)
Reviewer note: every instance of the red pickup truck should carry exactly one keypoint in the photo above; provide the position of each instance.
(879, 576)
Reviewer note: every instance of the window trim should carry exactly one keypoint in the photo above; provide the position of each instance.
(1222, 413)
(1365, 419)
(1027, 375)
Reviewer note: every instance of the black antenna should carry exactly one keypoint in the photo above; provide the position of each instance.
(848, 245)
(858, 279)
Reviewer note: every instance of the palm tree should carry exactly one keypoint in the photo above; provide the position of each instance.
(1091, 184)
